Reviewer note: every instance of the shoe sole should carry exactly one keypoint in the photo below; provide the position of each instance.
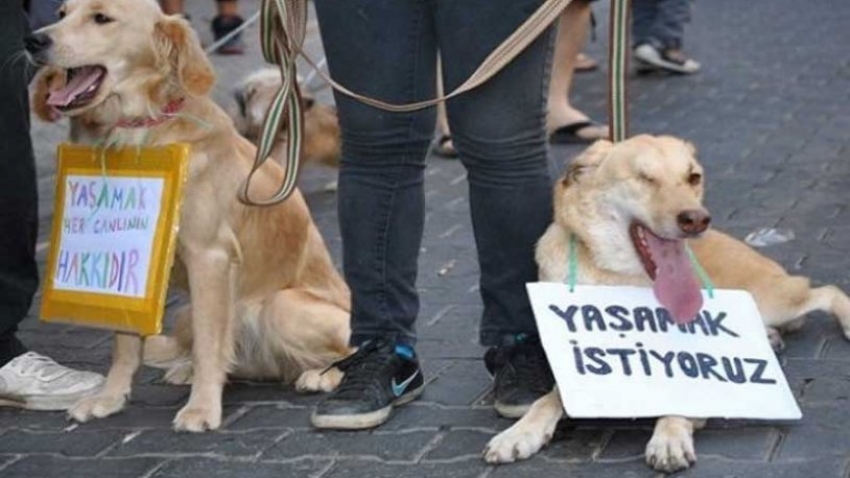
(46, 403)
(653, 58)
(363, 420)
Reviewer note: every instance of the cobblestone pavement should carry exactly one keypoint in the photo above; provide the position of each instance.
(769, 114)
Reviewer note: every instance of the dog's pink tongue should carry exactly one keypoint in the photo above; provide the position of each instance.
(82, 80)
(676, 285)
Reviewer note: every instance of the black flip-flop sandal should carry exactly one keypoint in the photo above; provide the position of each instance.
(568, 134)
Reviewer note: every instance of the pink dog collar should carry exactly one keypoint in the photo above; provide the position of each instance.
(167, 113)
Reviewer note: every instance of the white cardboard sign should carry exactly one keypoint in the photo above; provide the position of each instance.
(108, 231)
(616, 353)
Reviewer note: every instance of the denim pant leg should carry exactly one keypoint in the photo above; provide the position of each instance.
(384, 49)
(499, 129)
(660, 23)
(18, 201)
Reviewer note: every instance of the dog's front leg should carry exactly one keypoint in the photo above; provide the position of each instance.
(531, 433)
(126, 357)
(211, 285)
(671, 447)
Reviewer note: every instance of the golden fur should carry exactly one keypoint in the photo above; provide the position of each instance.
(266, 300)
(650, 180)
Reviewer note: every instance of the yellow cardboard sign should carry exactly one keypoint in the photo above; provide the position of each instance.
(114, 234)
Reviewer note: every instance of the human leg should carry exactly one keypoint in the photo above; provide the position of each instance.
(171, 7)
(226, 20)
(27, 379)
(499, 129)
(658, 28)
(384, 49)
(18, 202)
(564, 122)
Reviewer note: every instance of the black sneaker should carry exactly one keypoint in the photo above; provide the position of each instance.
(521, 375)
(377, 377)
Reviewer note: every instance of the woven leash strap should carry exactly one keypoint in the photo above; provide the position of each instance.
(282, 28)
(618, 64)
(283, 25)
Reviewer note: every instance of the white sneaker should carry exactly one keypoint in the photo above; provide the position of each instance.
(36, 382)
(670, 60)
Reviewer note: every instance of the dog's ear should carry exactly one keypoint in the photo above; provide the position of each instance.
(179, 50)
(587, 161)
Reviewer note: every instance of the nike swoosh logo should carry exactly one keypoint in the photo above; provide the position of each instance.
(399, 388)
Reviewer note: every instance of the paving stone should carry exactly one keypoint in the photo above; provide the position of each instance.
(402, 446)
(575, 444)
(59, 467)
(459, 384)
(736, 443)
(539, 468)
(460, 444)
(273, 417)
(73, 443)
(213, 468)
(716, 468)
(626, 444)
(230, 444)
(37, 421)
(368, 469)
(262, 392)
(422, 415)
(134, 417)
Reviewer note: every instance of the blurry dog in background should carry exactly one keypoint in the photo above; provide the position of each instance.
(254, 94)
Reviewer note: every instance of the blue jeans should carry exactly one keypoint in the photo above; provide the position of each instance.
(387, 49)
(660, 23)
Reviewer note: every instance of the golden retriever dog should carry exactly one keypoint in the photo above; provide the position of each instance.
(254, 94)
(265, 299)
(631, 207)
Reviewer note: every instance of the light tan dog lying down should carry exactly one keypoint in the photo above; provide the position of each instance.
(254, 94)
(622, 203)
(266, 300)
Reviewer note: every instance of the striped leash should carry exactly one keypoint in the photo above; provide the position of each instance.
(282, 30)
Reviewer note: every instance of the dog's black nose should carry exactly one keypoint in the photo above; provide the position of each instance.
(693, 221)
(37, 43)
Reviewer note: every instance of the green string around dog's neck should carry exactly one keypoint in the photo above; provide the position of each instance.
(572, 268)
(703, 276)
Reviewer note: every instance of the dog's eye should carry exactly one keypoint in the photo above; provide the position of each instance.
(61, 14)
(647, 178)
(694, 179)
(102, 19)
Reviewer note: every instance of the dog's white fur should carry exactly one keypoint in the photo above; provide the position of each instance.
(650, 180)
(266, 300)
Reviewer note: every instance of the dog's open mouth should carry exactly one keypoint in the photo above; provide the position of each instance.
(81, 87)
(667, 264)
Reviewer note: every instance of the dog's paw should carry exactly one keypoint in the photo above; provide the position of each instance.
(315, 381)
(671, 447)
(96, 406)
(179, 374)
(197, 419)
(516, 443)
